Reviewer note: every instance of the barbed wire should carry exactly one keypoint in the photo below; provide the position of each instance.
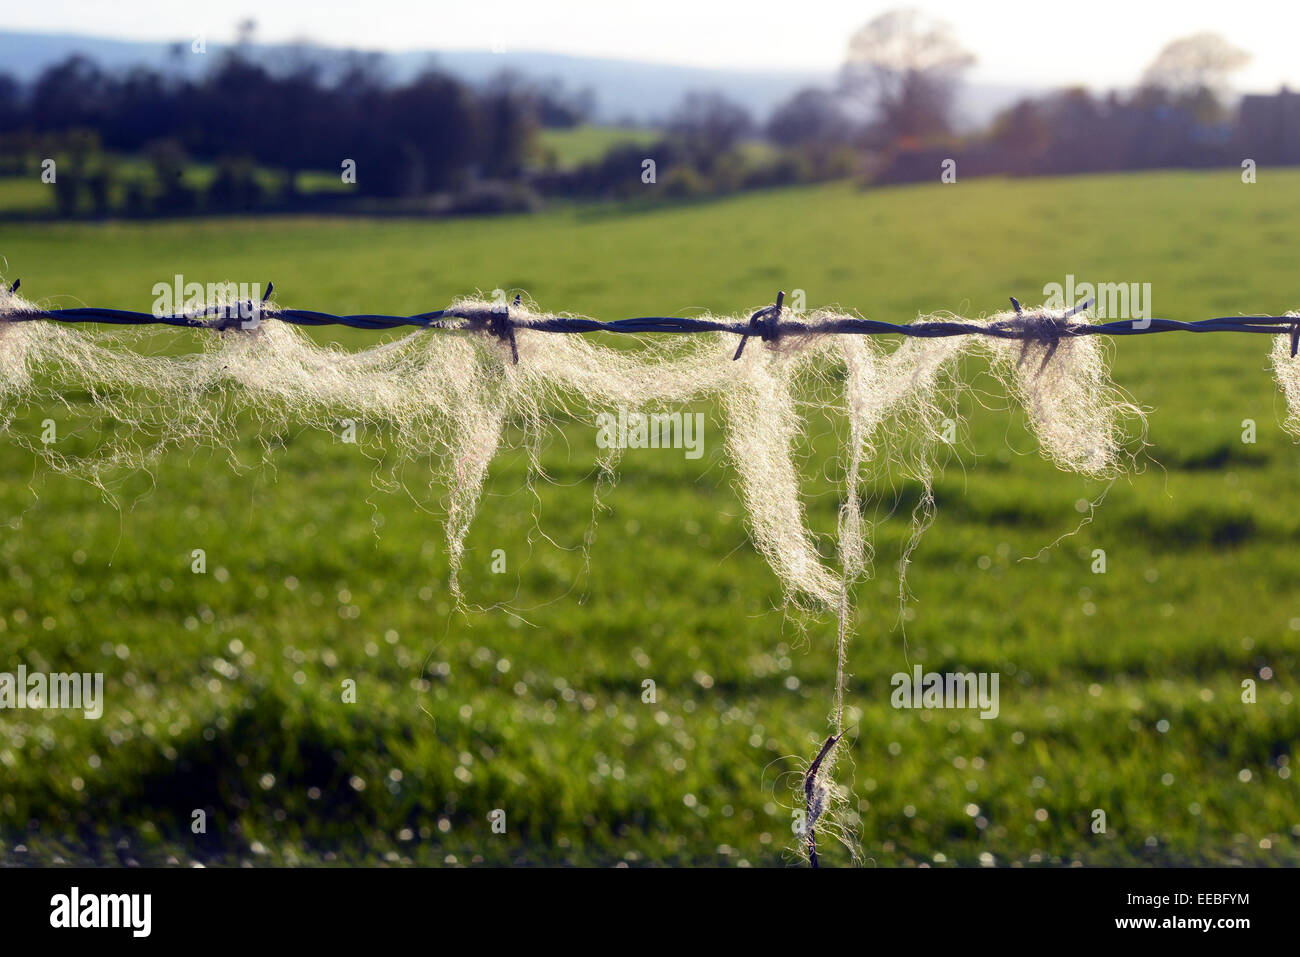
(769, 323)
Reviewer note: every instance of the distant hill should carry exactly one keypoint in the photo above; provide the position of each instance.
(637, 92)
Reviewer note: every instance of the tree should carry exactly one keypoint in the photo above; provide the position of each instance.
(1194, 72)
(169, 161)
(556, 107)
(71, 93)
(1021, 127)
(145, 107)
(811, 117)
(1201, 61)
(710, 124)
(424, 139)
(905, 67)
(11, 102)
(506, 118)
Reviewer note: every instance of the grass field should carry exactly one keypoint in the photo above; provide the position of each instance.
(1120, 691)
(586, 144)
(28, 196)
(573, 147)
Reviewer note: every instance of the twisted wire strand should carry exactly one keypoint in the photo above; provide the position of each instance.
(769, 323)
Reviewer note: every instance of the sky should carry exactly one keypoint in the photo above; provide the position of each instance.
(1101, 44)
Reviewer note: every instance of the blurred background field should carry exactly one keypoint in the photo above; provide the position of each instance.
(585, 144)
(1120, 691)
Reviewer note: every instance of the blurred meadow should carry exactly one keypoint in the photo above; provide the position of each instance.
(1120, 691)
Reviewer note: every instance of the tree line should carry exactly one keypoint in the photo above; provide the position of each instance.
(432, 133)
(887, 117)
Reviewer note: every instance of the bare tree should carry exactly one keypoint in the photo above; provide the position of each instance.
(905, 67)
(710, 124)
(1191, 64)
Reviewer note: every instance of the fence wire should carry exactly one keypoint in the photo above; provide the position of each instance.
(770, 323)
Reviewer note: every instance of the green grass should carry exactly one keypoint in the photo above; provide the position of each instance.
(27, 195)
(1119, 691)
(572, 148)
(585, 144)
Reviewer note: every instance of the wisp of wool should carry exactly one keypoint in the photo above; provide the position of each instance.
(1286, 368)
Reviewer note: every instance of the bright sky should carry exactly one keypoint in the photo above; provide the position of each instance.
(1101, 43)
